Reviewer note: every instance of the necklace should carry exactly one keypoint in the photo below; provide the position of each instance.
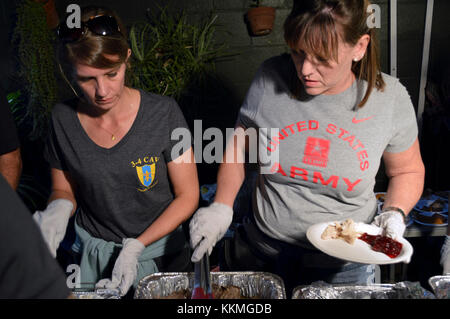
(113, 136)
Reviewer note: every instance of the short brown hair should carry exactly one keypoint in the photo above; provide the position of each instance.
(315, 24)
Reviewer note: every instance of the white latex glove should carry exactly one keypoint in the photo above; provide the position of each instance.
(53, 222)
(207, 227)
(125, 268)
(445, 256)
(392, 223)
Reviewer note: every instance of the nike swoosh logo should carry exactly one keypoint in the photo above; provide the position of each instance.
(356, 121)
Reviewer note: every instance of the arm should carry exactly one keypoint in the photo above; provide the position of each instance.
(63, 187)
(231, 173)
(11, 167)
(406, 173)
(209, 224)
(183, 176)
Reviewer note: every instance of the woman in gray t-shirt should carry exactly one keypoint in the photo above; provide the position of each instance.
(337, 116)
(110, 152)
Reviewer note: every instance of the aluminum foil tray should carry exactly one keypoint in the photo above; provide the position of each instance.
(262, 284)
(401, 290)
(95, 294)
(440, 286)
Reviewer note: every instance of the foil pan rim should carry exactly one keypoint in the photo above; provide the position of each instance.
(435, 284)
(280, 288)
(298, 292)
(93, 294)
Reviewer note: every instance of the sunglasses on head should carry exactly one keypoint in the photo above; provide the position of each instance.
(101, 25)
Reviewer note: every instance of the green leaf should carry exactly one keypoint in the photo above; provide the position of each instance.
(171, 53)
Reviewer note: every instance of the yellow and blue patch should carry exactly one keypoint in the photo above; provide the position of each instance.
(146, 174)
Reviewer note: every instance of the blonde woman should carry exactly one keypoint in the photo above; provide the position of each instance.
(110, 153)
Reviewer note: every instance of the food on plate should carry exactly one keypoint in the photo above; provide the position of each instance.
(436, 206)
(345, 230)
(435, 219)
(219, 292)
(383, 244)
(380, 197)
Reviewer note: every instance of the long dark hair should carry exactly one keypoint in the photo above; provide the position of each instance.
(313, 24)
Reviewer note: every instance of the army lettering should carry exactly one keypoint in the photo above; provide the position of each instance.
(297, 172)
(319, 147)
(291, 130)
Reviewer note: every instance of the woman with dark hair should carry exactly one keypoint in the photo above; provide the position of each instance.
(111, 157)
(337, 116)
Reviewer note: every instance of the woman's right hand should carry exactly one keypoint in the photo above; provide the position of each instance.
(207, 227)
(53, 222)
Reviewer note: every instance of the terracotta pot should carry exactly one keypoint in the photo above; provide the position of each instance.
(52, 14)
(261, 20)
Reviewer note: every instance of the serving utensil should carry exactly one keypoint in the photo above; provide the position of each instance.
(202, 279)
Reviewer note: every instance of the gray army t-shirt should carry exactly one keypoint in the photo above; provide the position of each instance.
(123, 189)
(329, 150)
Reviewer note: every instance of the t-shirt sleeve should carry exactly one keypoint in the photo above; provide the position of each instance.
(27, 270)
(252, 100)
(404, 122)
(9, 140)
(180, 137)
(52, 151)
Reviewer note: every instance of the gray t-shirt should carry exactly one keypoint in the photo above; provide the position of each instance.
(123, 189)
(329, 149)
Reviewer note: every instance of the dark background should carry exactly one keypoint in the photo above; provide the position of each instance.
(220, 108)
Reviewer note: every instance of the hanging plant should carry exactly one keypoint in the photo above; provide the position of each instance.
(34, 43)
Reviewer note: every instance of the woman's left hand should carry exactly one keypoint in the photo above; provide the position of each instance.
(392, 223)
(125, 268)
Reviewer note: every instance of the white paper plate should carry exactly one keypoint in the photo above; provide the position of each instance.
(360, 251)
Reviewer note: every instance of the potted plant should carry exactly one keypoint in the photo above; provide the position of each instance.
(50, 13)
(260, 19)
(170, 54)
